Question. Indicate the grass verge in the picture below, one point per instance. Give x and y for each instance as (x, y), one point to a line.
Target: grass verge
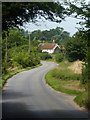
(58, 85)
(10, 74)
(66, 81)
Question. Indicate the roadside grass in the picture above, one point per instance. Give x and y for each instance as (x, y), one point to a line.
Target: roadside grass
(82, 100)
(65, 74)
(58, 85)
(11, 73)
(65, 80)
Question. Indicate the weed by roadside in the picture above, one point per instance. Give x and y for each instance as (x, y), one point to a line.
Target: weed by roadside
(65, 74)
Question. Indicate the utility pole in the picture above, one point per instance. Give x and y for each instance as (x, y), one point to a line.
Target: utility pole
(29, 44)
(37, 55)
(6, 48)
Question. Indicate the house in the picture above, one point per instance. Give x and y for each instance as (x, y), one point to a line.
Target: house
(49, 47)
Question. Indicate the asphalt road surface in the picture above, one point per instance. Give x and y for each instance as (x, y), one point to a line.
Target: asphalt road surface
(27, 95)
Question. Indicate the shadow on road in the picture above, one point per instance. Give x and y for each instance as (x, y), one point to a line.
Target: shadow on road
(11, 110)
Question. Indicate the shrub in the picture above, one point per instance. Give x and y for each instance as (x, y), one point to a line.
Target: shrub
(59, 57)
(84, 75)
(5, 66)
(82, 100)
(24, 60)
(45, 56)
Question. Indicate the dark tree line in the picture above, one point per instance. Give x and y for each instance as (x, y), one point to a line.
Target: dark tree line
(58, 34)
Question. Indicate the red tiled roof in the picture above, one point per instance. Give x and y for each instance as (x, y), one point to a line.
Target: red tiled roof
(47, 45)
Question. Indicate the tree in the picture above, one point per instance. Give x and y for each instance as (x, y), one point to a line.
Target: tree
(15, 38)
(76, 47)
(82, 12)
(61, 36)
(58, 34)
(16, 13)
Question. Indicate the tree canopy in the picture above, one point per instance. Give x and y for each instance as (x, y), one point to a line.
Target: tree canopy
(58, 34)
(16, 13)
(80, 12)
(76, 47)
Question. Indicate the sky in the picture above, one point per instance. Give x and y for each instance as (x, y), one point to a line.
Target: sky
(70, 25)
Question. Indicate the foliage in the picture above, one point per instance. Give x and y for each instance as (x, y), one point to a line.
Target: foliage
(58, 34)
(84, 79)
(58, 85)
(24, 60)
(5, 66)
(59, 57)
(81, 12)
(76, 47)
(17, 50)
(45, 56)
(82, 100)
(15, 38)
(86, 67)
(17, 13)
(53, 78)
(65, 74)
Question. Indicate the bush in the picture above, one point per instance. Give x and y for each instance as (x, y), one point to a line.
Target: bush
(45, 56)
(4, 67)
(82, 100)
(59, 57)
(84, 75)
(24, 60)
(17, 57)
(76, 47)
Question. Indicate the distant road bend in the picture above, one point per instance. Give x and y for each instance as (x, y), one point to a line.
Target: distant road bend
(28, 96)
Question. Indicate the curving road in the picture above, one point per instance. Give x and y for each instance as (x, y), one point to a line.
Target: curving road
(26, 95)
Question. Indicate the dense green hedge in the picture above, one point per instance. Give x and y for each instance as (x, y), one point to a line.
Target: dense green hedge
(20, 58)
(59, 57)
(45, 56)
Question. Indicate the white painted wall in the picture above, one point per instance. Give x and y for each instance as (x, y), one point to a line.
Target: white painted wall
(49, 51)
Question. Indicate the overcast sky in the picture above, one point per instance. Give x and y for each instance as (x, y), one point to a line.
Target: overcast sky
(70, 25)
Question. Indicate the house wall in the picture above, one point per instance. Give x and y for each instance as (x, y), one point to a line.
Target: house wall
(49, 51)
(56, 49)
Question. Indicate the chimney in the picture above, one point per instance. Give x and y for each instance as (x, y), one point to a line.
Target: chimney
(43, 41)
(53, 41)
